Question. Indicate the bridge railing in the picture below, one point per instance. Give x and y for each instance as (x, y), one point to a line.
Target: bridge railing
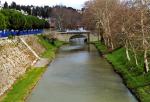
(19, 33)
(75, 32)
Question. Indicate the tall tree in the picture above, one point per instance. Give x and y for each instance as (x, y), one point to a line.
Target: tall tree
(6, 5)
(3, 22)
(13, 5)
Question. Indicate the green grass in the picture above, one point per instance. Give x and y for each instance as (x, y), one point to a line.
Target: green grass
(133, 75)
(101, 47)
(23, 86)
(50, 49)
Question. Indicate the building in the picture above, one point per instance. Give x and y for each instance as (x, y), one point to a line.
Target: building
(0, 5)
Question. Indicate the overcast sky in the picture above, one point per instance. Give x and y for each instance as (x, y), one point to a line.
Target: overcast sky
(71, 3)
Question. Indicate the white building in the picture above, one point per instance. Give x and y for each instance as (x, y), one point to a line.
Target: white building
(0, 5)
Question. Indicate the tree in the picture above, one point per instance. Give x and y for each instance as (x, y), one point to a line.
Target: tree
(17, 21)
(88, 20)
(13, 5)
(103, 16)
(124, 23)
(66, 18)
(29, 22)
(3, 22)
(6, 5)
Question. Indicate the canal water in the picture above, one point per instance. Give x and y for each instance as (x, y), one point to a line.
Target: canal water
(78, 74)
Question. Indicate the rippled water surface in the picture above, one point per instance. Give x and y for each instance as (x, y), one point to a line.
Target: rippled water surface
(80, 75)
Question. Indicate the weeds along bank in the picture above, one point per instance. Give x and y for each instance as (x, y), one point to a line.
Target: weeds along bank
(16, 58)
(132, 74)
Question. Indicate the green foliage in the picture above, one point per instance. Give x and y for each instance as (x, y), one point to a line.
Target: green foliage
(101, 47)
(50, 48)
(144, 93)
(23, 86)
(29, 21)
(12, 19)
(3, 21)
(17, 21)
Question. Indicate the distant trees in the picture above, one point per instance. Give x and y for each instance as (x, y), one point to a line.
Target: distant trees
(88, 17)
(17, 21)
(6, 5)
(43, 12)
(13, 5)
(12, 19)
(66, 17)
(3, 22)
(122, 23)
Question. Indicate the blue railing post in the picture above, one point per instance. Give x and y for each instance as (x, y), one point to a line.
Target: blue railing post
(5, 33)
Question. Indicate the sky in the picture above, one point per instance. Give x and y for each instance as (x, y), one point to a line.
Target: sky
(71, 3)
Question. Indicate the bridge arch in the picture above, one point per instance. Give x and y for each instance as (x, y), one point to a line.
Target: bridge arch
(80, 36)
(66, 36)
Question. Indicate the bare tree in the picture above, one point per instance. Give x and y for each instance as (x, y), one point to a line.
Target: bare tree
(124, 23)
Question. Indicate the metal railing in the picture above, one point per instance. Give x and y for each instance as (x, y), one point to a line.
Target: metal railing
(19, 33)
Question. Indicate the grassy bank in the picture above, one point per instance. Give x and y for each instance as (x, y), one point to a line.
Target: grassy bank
(23, 86)
(50, 48)
(100, 47)
(133, 76)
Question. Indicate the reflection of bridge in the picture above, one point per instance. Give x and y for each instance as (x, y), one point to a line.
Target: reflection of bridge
(65, 36)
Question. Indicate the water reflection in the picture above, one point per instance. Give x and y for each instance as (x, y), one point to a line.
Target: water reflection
(78, 41)
(77, 75)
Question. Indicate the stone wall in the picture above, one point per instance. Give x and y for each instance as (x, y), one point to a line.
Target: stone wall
(33, 41)
(15, 58)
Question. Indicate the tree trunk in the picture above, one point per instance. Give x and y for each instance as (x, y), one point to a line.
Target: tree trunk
(146, 65)
(112, 45)
(135, 57)
(102, 39)
(135, 54)
(98, 35)
(127, 53)
(108, 42)
(146, 62)
(109, 29)
(105, 41)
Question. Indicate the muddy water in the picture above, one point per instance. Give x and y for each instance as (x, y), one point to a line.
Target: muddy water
(80, 75)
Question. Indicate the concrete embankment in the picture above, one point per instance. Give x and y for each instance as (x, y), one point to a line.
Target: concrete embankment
(16, 58)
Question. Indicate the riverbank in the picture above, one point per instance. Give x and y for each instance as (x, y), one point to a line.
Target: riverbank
(132, 75)
(23, 86)
(78, 74)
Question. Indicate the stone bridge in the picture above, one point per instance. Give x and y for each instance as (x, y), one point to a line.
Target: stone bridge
(66, 36)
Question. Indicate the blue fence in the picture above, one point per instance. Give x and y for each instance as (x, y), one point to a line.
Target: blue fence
(19, 33)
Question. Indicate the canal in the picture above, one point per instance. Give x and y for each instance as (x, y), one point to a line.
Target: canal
(78, 74)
